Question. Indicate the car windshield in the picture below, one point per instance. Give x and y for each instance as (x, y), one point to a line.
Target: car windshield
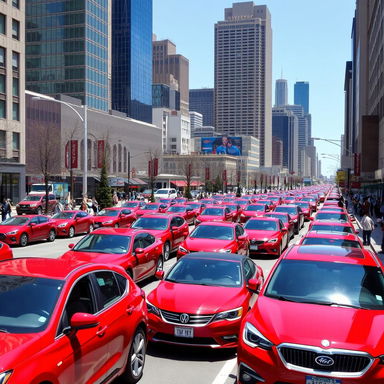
(17, 220)
(307, 199)
(63, 215)
(101, 243)
(330, 241)
(162, 192)
(332, 228)
(255, 208)
(216, 232)
(32, 198)
(130, 205)
(211, 272)
(156, 223)
(151, 207)
(328, 283)
(283, 218)
(303, 205)
(194, 206)
(28, 303)
(213, 212)
(332, 216)
(108, 212)
(232, 208)
(263, 225)
(176, 209)
(290, 210)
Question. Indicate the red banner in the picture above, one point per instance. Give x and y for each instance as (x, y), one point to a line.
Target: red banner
(155, 167)
(207, 173)
(100, 153)
(71, 154)
(356, 168)
(225, 176)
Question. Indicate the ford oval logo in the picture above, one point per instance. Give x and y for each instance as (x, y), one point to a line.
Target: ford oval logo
(184, 318)
(324, 361)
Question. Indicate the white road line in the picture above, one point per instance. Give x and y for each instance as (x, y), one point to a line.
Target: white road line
(222, 376)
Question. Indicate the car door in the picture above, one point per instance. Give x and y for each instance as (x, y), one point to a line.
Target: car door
(44, 227)
(249, 273)
(128, 218)
(242, 243)
(34, 229)
(140, 258)
(153, 252)
(177, 230)
(284, 235)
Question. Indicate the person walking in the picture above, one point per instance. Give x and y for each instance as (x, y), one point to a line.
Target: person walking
(366, 207)
(5, 209)
(9, 209)
(368, 226)
(95, 205)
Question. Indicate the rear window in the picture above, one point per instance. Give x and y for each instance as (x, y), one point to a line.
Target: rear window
(332, 228)
(332, 216)
(328, 241)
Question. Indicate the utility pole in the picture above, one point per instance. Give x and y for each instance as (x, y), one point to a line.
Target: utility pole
(129, 174)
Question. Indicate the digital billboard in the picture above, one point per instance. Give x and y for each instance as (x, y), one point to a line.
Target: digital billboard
(224, 145)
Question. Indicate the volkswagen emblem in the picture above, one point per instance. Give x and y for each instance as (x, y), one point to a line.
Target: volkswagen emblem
(324, 361)
(184, 318)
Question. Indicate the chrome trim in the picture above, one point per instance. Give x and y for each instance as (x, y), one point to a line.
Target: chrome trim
(191, 344)
(331, 352)
(192, 317)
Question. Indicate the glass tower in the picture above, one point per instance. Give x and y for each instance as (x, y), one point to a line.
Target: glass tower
(132, 58)
(202, 101)
(67, 49)
(302, 95)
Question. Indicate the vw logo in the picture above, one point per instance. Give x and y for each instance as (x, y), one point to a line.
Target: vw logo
(324, 361)
(184, 318)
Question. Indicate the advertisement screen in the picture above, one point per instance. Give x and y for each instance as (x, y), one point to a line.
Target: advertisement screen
(224, 145)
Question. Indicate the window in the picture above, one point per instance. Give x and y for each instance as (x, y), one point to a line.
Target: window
(15, 87)
(2, 140)
(2, 57)
(15, 111)
(109, 290)
(15, 3)
(3, 114)
(15, 29)
(43, 219)
(16, 141)
(2, 84)
(249, 269)
(2, 23)
(15, 60)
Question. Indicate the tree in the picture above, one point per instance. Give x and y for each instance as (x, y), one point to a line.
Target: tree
(104, 191)
(217, 186)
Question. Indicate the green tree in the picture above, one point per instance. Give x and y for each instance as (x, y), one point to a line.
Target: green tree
(104, 192)
(218, 185)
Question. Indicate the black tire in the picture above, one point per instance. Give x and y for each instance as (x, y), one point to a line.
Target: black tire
(23, 240)
(52, 235)
(160, 264)
(135, 364)
(39, 211)
(71, 232)
(166, 251)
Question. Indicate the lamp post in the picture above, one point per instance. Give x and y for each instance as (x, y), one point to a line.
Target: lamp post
(84, 120)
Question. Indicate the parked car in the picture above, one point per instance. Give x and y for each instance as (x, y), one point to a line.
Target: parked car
(197, 207)
(114, 217)
(5, 251)
(60, 319)
(253, 210)
(170, 193)
(152, 208)
(214, 213)
(347, 240)
(21, 230)
(306, 208)
(187, 213)
(287, 221)
(235, 210)
(71, 223)
(332, 227)
(296, 214)
(35, 204)
(203, 299)
(133, 205)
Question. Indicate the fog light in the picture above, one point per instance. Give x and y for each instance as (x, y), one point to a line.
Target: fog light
(248, 376)
(230, 337)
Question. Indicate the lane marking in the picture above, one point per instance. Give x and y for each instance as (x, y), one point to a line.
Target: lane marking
(225, 371)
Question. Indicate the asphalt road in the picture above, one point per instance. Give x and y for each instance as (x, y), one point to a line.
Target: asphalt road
(169, 364)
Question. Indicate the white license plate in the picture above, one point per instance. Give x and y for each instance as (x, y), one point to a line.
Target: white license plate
(184, 332)
(320, 380)
(253, 247)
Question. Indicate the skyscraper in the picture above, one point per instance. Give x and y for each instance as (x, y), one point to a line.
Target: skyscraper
(301, 95)
(281, 93)
(243, 75)
(132, 58)
(67, 50)
(202, 100)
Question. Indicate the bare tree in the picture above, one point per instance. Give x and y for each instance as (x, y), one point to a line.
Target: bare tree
(153, 168)
(190, 167)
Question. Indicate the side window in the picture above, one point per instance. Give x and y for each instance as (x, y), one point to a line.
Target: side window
(79, 215)
(180, 221)
(249, 269)
(239, 230)
(34, 220)
(121, 282)
(137, 243)
(281, 224)
(174, 222)
(108, 288)
(126, 211)
(51, 197)
(149, 240)
(43, 219)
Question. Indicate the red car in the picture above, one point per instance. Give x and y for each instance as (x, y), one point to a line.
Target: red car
(202, 300)
(71, 223)
(216, 237)
(5, 251)
(313, 202)
(152, 208)
(342, 240)
(313, 320)
(187, 213)
(66, 322)
(138, 252)
(214, 213)
(235, 209)
(333, 216)
(332, 227)
(253, 210)
(114, 217)
(306, 209)
(197, 208)
(287, 221)
(169, 228)
(270, 203)
(35, 204)
(20, 230)
(267, 235)
(134, 205)
(296, 214)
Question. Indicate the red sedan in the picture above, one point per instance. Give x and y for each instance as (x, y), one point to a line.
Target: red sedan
(306, 209)
(152, 208)
(216, 237)
(235, 209)
(134, 205)
(203, 299)
(71, 223)
(267, 235)
(287, 221)
(20, 230)
(215, 213)
(67, 323)
(342, 240)
(253, 210)
(197, 208)
(5, 251)
(169, 228)
(114, 217)
(187, 213)
(138, 252)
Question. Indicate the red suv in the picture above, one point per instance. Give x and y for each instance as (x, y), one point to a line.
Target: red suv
(316, 320)
(35, 204)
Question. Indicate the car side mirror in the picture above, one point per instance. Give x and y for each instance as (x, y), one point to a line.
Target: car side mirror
(81, 321)
(70, 246)
(159, 275)
(32, 224)
(254, 285)
(139, 251)
(357, 232)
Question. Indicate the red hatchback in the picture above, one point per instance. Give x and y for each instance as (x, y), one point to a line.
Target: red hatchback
(66, 322)
(216, 237)
(152, 208)
(314, 320)
(215, 213)
(133, 205)
(20, 230)
(71, 223)
(138, 252)
(202, 300)
(114, 217)
(253, 210)
(187, 213)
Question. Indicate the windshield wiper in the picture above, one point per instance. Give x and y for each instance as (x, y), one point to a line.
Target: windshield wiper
(282, 298)
(3, 331)
(333, 304)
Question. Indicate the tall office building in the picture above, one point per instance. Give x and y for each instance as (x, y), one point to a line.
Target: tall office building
(132, 58)
(196, 119)
(281, 93)
(68, 50)
(243, 75)
(301, 95)
(202, 100)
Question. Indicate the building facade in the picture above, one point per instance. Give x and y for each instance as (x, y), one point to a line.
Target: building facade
(281, 92)
(301, 95)
(203, 101)
(243, 75)
(132, 58)
(196, 120)
(12, 100)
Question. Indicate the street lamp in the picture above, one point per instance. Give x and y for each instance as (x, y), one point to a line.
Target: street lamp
(84, 119)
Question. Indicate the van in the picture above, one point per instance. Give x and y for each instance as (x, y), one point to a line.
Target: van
(165, 193)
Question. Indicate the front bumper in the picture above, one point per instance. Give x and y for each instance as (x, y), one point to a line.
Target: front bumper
(9, 239)
(264, 247)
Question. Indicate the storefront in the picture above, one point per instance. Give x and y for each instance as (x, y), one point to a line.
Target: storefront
(12, 182)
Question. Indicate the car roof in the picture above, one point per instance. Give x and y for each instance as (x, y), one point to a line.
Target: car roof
(219, 223)
(215, 255)
(31, 216)
(111, 231)
(167, 215)
(274, 219)
(331, 235)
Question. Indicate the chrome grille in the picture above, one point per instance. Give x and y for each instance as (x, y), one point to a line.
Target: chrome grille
(257, 242)
(196, 320)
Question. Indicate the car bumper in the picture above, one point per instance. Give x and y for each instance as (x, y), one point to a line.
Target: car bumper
(62, 231)
(268, 248)
(101, 224)
(9, 239)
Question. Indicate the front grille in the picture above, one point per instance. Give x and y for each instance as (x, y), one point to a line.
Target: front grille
(343, 362)
(196, 320)
(257, 242)
(183, 340)
(2, 236)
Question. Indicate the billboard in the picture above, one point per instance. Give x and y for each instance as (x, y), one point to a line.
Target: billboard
(225, 145)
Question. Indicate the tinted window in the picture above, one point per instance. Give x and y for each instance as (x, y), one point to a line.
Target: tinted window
(151, 207)
(176, 209)
(121, 282)
(100, 243)
(15, 221)
(43, 219)
(64, 215)
(239, 230)
(157, 223)
(213, 212)
(290, 210)
(332, 228)
(326, 241)
(255, 208)
(283, 218)
(249, 269)
(125, 211)
(32, 198)
(108, 212)
(212, 232)
(331, 216)
(263, 225)
(108, 289)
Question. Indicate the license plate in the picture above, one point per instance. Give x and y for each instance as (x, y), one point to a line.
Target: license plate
(320, 380)
(96, 225)
(184, 332)
(253, 247)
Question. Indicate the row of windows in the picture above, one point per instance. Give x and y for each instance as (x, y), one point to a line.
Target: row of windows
(48, 21)
(15, 110)
(55, 61)
(56, 74)
(15, 59)
(55, 47)
(46, 8)
(15, 140)
(42, 115)
(15, 86)
(15, 27)
(55, 34)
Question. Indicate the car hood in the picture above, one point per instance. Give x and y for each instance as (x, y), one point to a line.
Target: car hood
(201, 299)
(259, 234)
(94, 257)
(309, 324)
(9, 228)
(207, 245)
(210, 218)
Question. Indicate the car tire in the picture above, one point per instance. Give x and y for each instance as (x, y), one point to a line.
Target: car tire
(136, 358)
(71, 232)
(52, 235)
(39, 211)
(23, 240)
(90, 229)
(166, 251)
(160, 264)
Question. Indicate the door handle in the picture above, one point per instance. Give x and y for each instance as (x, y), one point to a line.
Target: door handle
(130, 310)
(101, 331)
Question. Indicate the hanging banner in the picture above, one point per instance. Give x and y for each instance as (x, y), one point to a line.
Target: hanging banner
(357, 162)
(71, 154)
(100, 153)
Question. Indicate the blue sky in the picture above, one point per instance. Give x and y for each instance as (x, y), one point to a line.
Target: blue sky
(311, 42)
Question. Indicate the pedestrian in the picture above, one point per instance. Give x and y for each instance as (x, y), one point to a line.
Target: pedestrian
(95, 205)
(366, 207)
(9, 209)
(368, 226)
(115, 198)
(84, 204)
(5, 208)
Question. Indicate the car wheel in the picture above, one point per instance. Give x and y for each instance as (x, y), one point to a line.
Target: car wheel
(23, 240)
(166, 251)
(39, 211)
(90, 228)
(136, 358)
(52, 235)
(71, 232)
(160, 264)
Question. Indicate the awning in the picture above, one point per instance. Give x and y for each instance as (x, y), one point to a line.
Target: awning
(121, 181)
(135, 181)
(183, 183)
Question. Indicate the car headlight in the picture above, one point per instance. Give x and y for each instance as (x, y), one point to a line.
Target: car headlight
(4, 376)
(12, 233)
(273, 241)
(62, 225)
(33, 205)
(151, 309)
(225, 250)
(230, 315)
(182, 249)
(108, 222)
(254, 338)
